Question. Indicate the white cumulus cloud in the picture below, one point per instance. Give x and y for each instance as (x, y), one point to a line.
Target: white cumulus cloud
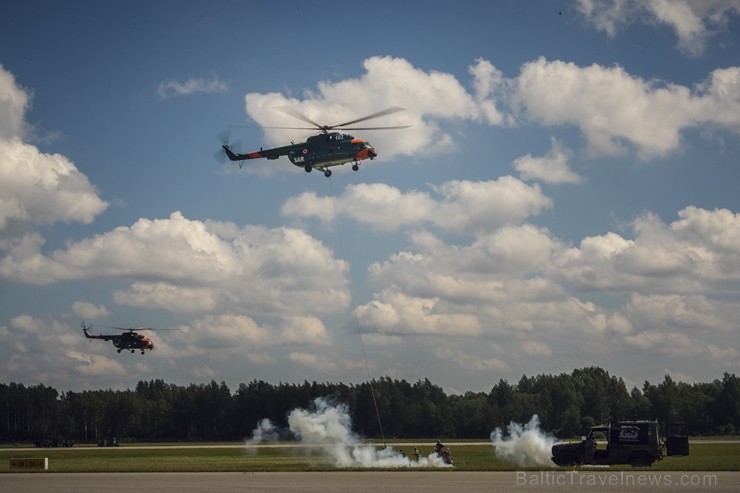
(170, 88)
(694, 22)
(456, 206)
(616, 111)
(36, 188)
(194, 266)
(554, 167)
(14, 102)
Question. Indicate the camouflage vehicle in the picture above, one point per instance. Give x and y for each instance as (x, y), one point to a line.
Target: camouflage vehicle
(627, 442)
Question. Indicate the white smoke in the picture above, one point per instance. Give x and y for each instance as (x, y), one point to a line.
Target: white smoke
(525, 445)
(330, 428)
(265, 432)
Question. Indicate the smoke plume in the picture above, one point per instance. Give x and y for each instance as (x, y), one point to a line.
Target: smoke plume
(329, 427)
(525, 445)
(265, 432)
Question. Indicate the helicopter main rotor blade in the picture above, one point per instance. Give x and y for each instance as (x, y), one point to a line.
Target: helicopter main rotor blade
(289, 110)
(394, 109)
(122, 328)
(376, 128)
(133, 329)
(292, 128)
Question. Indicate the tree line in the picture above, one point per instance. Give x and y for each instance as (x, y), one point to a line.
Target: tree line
(567, 404)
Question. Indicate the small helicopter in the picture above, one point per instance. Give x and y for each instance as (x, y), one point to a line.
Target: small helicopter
(328, 148)
(129, 339)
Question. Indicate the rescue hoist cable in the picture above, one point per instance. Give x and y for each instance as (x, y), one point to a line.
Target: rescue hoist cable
(354, 315)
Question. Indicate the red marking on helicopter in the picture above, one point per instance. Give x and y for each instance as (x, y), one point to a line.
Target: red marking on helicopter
(367, 153)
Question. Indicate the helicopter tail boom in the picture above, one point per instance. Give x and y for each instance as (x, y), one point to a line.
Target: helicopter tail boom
(88, 336)
(240, 157)
(267, 154)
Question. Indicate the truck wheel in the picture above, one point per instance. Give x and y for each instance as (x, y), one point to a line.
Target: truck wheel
(641, 460)
(565, 461)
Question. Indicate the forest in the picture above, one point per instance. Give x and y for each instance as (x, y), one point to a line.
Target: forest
(567, 404)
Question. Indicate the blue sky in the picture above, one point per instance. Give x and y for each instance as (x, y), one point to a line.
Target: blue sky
(566, 195)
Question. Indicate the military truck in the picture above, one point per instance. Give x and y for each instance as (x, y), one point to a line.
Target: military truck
(627, 442)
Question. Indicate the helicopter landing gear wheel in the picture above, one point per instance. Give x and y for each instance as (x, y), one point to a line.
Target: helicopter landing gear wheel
(119, 350)
(355, 167)
(327, 173)
(308, 168)
(132, 351)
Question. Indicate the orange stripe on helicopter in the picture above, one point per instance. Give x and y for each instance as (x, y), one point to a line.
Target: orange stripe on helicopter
(254, 155)
(362, 155)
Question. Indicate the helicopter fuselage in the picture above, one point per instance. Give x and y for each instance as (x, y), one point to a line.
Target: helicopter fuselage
(133, 341)
(128, 340)
(317, 152)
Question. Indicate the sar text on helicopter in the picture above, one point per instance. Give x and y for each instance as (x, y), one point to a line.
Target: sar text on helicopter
(329, 148)
(129, 339)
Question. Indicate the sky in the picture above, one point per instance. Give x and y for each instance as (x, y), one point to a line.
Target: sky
(565, 195)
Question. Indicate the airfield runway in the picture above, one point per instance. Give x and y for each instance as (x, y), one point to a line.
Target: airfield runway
(375, 482)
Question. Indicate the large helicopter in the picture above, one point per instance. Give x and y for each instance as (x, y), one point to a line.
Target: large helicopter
(129, 339)
(328, 148)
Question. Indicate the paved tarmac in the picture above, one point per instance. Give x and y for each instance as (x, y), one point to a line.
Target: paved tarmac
(376, 482)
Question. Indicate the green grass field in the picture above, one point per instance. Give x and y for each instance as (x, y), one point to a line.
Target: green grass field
(467, 457)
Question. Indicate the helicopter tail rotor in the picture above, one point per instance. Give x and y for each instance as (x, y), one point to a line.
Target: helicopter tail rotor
(226, 146)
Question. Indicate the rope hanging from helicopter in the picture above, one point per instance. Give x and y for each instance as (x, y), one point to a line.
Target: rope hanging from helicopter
(354, 315)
